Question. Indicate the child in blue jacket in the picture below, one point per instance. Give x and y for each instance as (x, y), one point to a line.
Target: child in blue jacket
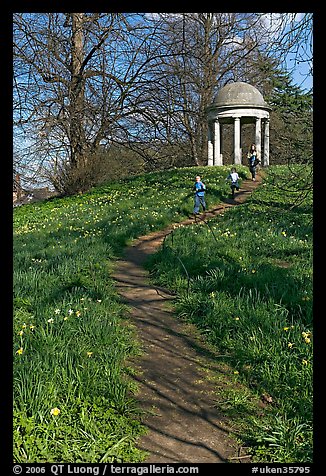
(199, 188)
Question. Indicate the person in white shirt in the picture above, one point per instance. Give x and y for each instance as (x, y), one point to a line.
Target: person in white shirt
(233, 177)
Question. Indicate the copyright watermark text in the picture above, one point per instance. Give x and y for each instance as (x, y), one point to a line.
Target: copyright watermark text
(104, 469)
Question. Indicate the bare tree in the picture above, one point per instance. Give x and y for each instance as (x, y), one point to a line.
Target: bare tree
(80, 79)
(289, 37)
(206, 51)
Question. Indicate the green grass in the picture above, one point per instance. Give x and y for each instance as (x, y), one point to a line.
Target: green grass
(71, 335)
(245, 279)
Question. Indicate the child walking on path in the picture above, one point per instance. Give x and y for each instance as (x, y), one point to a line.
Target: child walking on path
(199, 188)
(233, 177)
(253, 161)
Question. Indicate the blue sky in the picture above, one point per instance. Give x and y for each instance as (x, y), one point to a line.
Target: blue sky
(278, 26)
(302, 78)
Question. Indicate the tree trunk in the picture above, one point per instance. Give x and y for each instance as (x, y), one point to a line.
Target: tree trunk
(77, 135)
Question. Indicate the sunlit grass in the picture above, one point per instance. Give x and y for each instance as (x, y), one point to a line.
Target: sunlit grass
(71, 341)
(247, 286)
(246, 281)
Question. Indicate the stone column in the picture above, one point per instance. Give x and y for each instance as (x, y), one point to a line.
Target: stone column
(221, 142)
(237, 150)
(210, 146)
(265, 161)
(258, 137)
(217, 143)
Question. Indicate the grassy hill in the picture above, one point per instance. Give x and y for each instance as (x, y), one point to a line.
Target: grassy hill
(73, 401)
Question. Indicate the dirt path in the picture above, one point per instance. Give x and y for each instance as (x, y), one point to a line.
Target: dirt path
(175, 390)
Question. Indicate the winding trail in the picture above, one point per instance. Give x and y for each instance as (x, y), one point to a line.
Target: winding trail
(176, 389)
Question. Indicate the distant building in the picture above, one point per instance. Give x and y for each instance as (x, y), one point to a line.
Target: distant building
(30, 196)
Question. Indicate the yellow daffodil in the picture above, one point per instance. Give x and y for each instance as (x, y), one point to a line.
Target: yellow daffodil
(55, 411)
(89, 354)
(20, 351)
(304, 362)
(306, 334)
(290, 344)
(286, 328)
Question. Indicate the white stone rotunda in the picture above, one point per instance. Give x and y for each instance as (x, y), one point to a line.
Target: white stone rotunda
(238, 103)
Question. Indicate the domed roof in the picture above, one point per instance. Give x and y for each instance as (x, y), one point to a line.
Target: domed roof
(239, 94)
